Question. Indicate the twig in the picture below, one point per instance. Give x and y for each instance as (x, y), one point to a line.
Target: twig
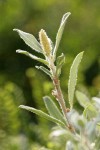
(57, 92)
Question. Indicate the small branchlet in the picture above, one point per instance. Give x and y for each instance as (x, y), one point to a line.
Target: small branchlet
(45, 47)
(67, 118)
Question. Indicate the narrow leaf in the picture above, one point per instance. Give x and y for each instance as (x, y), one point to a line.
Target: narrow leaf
(52, 108)
(96, 101)
(30, 40)
(60, 62)
(60, 32)
(32, 56)
(90, 128)
(42, 114)
(44, 70)
(90, 112)
(82, 99)
(69, 145)
(73, 78)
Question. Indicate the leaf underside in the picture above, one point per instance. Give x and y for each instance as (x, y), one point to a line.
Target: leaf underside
(32, 56)
(30, 40)
(60, 32)
(82, 99)
(73, 78)
(45, 70)
(52, 108)
(42, 114)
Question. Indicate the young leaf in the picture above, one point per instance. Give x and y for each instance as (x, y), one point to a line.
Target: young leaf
(30, 40)
(96, 101)
(60, 32)
(90, 112)
(60, 62)
(69, 145)
(52, 108)
(32, 56)
(90, 128)
(42, 114)
(82, 99)
(44, 70)
(73, 78)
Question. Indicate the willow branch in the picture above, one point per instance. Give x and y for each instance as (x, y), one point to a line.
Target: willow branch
(57, 92)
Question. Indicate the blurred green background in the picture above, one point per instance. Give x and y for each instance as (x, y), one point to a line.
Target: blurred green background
(21, 83)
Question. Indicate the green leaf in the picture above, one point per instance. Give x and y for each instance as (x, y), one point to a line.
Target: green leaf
(60, 62)
(82, 99)
(97, 143)
(69, 145)
(73, 78)
(30, 40)
(60, 32)
(42, 114)
(52, 109)
(44, 70)
(96, 102)
(32, 56)
(90, 128)
(90, 112)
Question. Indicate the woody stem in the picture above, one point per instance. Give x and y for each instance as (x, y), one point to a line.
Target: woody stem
(59, 96)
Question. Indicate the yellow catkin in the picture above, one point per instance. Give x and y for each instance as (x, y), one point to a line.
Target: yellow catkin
(45, 42)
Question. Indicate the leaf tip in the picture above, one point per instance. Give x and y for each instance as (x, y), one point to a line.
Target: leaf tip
(37, 67)
(21, 51)
(15, 29)
(45, 98)
(21, 106)
(82, 52)
(65, 16)
(18, 51)
(68, 13)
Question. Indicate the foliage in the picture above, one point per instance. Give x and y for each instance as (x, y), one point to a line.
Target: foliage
(82, 33)
(9, 116)
(82, 130)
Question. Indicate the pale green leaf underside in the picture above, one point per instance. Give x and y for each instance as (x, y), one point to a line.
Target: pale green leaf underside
(73, 78)
(90, 128)
(45, 70)
(52, 108)
(30, 40)
(60, 62)
(60, 32)
(90, 112)
(42, 114)
(82, 99)
(32, 56)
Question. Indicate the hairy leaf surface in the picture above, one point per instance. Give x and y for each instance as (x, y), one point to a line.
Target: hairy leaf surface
(30, 40)
(42, 114)
(73, 78)
(60, 32)
(52, 108)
